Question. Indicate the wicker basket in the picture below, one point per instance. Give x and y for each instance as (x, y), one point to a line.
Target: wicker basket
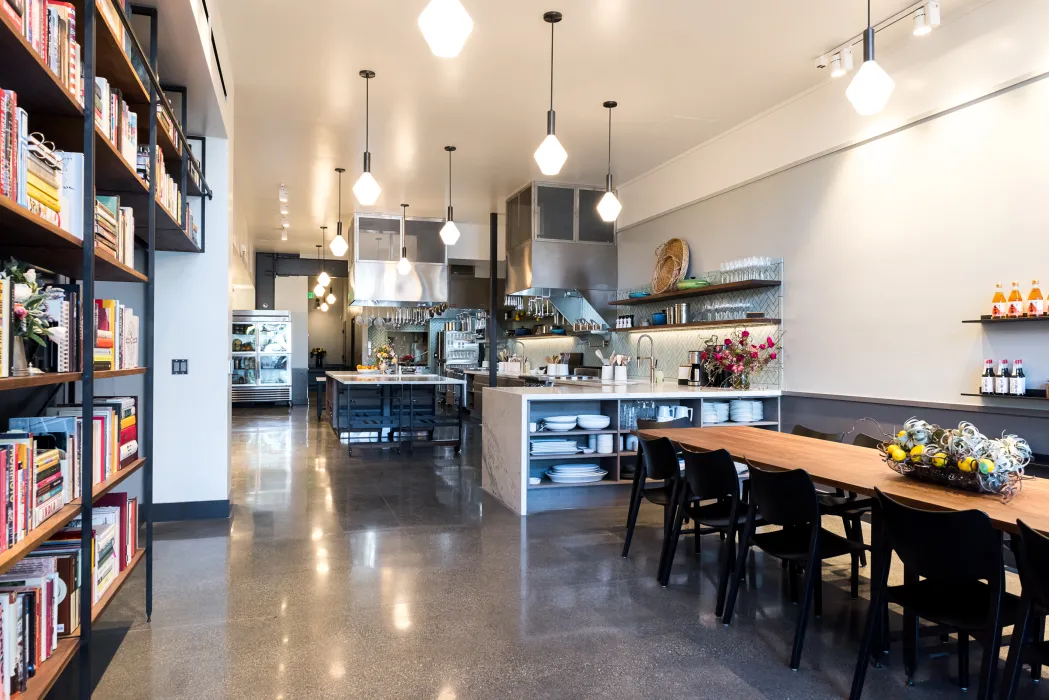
(671, 265)
(951, 477)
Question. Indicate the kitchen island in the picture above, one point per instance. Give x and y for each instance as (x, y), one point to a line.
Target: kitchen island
(507, 449)
(396, 408)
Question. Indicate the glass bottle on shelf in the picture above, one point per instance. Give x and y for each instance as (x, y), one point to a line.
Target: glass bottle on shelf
(1016, 302)
(987, 379)
(1001, 382)
(1018, 380)
(998, 304)
(1035, 302)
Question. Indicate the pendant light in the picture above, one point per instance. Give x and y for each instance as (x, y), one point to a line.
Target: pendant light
(551, 155)
(445, 25)
(339, 246)
(367, 189)
(330, 298)
(450, 232)
(404, 266)
(319, 289)
(609, 207)
(870, 90)
(323, 279)
(324, 306)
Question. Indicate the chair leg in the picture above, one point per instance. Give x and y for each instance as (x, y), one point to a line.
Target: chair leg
(741, 566)
(1014, 663)
(1039, 635)
(854, 578)
(792, 582)
(666, 560)
(910, 644)
(992, 646)
(963, 660)
(857, 529)
(812, 574)
(879, 579)
(635, 506)
(729, 547)
(817, 606)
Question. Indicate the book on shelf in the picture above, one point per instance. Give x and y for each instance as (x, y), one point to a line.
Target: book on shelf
(30, 170)
(125, 413)
(49, 27)
(62, 556)
(105, 529)
(35, 478)
(30, 597)
(116, 120)
(71, 198)
(115, 229)
(127, 524)
(114, 433)
(62, 434)
(116, 336)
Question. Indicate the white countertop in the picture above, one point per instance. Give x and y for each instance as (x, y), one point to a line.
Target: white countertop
(358, 378)
(644, 390)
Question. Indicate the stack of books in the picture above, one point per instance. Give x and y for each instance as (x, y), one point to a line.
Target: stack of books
(164, 122)
(49, 26)
(126, 511)
(32, 485)
(114, 433)
(105, 536)
(30, 596)
(61, 433)
(116, 336)
(167, 191)
(59, 555)
(31, 173)
(117, 121)
(115, 229)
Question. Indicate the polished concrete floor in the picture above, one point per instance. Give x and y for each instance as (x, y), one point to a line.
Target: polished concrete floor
(392, 575)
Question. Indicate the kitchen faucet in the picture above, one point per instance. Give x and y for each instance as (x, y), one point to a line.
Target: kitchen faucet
(652, 362)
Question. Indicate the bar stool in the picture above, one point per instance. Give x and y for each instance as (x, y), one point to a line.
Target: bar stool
(1027, 640)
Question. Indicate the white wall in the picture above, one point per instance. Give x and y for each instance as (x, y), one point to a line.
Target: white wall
(326, 328)
(192, 429)
(290, 295)
(888, 246)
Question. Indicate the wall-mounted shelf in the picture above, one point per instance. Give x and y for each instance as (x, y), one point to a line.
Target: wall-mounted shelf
(1029, 396)
(701, 324)
(709, 290)
(1008, 321)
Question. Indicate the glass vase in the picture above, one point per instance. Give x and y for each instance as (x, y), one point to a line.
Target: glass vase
(19, 363)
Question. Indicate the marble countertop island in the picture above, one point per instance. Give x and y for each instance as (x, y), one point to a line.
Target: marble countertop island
(359, 378)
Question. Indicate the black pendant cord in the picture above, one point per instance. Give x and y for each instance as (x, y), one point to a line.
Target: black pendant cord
(367, 112)
(610, 141)
(551, 66)
(338, 214)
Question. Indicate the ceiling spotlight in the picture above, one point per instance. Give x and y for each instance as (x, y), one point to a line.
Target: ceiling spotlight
(324, 306)
(284, 224)
(283, 196)
(921, 27)
(284, 234)
(551, 155)
(450, 232)
(445, 25)
(872, 87)
(836, 69)
(404, 266)
(846, 59)
(609, 207)
(932, 13)
(367, 189)
(284, 209)
(330, 298)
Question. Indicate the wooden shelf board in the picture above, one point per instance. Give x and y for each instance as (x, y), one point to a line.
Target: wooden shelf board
(100, 607)
(22, 70)
(1008, 321)
(544, 335)
(112, 373)
(24, 229)
(699, 292)
(49, 672)
(101, 489)
(114, 65)
(701, 324)
(1028, 397)
(32, 540)
(113, 173)
(32, 380)
(108, 269)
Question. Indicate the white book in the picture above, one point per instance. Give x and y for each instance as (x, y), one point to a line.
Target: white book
(71, 197)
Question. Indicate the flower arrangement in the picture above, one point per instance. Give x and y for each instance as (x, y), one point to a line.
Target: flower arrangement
(29, 312)
(384, 355)
(739, 357)
(962, 457)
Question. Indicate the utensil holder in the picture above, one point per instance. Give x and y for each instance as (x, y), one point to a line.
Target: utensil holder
(607, 373)
(619, 373)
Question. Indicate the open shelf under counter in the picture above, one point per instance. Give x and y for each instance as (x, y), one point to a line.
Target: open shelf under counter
(569, 433)
(570, 455)
(706, 291)
(753, 424)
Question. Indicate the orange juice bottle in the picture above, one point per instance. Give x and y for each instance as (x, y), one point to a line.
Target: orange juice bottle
(1015, 309)
(998, 305)
(1035, 302)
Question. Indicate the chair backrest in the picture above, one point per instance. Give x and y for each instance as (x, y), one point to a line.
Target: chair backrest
(664, 424)
(711, 475)
(943, 545)
(784, 498)
(810, 433)
(864, 440)
(659, 458)
(1034, 562)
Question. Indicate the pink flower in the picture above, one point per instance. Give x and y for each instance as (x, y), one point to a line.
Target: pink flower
(703, 355)
(772, 356)
(717, 356)
(19, 311)
(745, 334)
(763, 346)
(770, 343)
(728, 341)
(754, 355)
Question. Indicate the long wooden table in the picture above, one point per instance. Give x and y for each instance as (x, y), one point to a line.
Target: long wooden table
(861, 470)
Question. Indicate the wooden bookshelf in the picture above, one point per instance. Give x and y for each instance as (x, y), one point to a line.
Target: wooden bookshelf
(48, 673)
(113, 373)
(34, 380)
(22, 70)
(708, 290)
(102, 488)
(100, 607)
(113, 173)
(168, 149)
(113, 64)
(32, 540)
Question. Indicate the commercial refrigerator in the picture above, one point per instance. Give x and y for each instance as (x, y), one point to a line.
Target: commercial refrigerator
(261, 347)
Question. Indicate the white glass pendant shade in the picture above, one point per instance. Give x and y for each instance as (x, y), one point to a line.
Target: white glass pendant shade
(551, 155)
(339, 246)
(330, 298)
(324, 306)
(323, 278)
(870, 90)
(450, 233)
(318, 290)
(404, 266)
(609, 207)
(367, 190)
(445, 25)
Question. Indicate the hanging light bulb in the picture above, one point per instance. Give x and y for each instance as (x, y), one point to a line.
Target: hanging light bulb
(324, 306)
(367, 190)
(285, 224)
(872, 87)
(323, 279)
(445, 25)
(551, 155)
(330, 298)
(609, 207)
(449, 232)
(339, 246)
(318, 290)
(404, 266)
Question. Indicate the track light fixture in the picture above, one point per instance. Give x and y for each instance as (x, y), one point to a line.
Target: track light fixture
(836, 69)
(921, 27)
(404, 266)
(445, 25)
(450, 232)
(284, 209)
(283, 194)
(367, 189)
(872, 87)
(339, 246)
(926, 18)
(284, 234)
(285, 224)
(609, 207)
(551, 155)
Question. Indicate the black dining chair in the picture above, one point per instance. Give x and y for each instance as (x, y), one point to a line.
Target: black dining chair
(788, 499)
(710, 496)
(850, 507)
(658, 461)
(864, 440)
(1027, 642)
(643, 424)
(954, 576)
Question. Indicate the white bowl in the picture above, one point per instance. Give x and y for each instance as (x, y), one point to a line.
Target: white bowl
(561, 419)
(560, 427)
(534, 480)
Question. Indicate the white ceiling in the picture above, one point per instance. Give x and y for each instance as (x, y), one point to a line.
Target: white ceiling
(682, 71)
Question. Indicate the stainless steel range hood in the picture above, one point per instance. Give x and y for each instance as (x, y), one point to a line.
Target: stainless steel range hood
(376, 249)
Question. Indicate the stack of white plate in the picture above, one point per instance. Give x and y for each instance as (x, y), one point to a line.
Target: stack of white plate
(560, 423)
(605, 444)
(595, 422)
(746, 411)
(715, 412)
(554, 447)
(575, 473)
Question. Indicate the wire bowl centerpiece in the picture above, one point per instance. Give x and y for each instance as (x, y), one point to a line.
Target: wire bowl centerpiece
(961, 458)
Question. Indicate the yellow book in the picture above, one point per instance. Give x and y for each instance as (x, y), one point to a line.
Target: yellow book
(127, 422)
(42, 185)
(42, 197)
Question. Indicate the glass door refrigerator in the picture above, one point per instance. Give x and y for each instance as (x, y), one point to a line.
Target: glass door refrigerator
(261, 349)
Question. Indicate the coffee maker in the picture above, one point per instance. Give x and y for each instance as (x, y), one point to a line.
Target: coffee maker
(695, 372)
